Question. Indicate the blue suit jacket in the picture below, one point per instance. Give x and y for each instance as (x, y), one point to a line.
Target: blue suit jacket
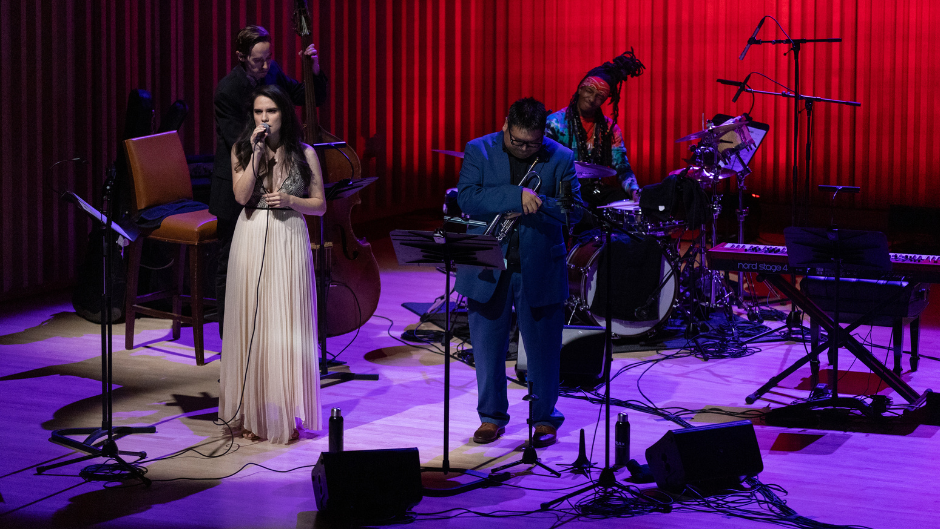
(485, 189)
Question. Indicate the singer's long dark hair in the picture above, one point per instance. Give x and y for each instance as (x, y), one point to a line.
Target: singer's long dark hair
(291, 134)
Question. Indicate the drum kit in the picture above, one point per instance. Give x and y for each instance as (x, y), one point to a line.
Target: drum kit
(653, 277)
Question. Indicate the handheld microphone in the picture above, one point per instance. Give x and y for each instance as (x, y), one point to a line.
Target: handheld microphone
(752, 39)
(267, 130)
(741, 89)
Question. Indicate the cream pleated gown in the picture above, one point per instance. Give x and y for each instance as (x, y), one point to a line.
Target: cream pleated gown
(270, 303)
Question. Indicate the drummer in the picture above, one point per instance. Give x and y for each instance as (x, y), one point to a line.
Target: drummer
(594, 137)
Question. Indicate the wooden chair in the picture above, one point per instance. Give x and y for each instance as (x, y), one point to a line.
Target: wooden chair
(160, 175)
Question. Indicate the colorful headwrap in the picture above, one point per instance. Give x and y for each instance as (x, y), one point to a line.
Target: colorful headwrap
(600, 85)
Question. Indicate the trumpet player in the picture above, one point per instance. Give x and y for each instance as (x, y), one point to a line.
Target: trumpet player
(535, 280)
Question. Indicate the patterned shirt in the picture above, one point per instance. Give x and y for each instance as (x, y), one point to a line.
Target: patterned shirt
(557, 129)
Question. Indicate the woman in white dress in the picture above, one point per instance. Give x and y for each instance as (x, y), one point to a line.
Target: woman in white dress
(270, 373)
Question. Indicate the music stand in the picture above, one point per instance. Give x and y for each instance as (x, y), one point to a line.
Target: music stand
(324, 274)
(90, 445)
(837, 250)
(427, 248)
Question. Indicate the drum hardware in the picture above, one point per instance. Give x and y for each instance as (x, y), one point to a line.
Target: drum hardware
(708, 176)
(706, 169)
(625, 214)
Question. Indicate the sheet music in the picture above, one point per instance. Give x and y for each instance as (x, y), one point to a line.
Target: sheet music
(100, 217)
(745, 143)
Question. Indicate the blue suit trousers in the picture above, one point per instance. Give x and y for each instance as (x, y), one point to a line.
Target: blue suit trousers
(541, 329)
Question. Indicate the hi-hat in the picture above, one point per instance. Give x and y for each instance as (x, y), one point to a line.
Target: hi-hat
(458, 154)
(718, 131)
(590, 170)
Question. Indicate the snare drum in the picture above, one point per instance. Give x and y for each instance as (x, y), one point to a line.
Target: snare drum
(661, 230)
(640, 307)
(624, 214)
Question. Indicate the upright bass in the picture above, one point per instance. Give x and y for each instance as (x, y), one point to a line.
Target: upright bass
(348, 282)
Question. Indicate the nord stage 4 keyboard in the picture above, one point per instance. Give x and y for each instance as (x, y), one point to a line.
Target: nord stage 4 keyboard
(763, 259)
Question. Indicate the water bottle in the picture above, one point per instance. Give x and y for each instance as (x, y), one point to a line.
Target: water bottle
(621, 440)
(336, 430)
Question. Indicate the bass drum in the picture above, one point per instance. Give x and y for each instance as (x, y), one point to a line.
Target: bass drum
(636, 318)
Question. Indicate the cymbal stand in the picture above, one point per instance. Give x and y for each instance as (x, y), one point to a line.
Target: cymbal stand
(741, 214)
(691, 261)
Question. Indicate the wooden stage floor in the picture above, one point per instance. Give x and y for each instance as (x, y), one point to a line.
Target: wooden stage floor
(882, 475)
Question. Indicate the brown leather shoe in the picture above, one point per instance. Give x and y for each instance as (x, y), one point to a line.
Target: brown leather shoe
(487, 433)
(544, 435)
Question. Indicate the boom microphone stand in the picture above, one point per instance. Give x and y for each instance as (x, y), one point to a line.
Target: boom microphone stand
(795, 46)
(606, 480)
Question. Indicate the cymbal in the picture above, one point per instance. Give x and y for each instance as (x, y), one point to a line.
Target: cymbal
(590, 170)
(718, 131)
(622, 205)
(707, 175)
(458, 154)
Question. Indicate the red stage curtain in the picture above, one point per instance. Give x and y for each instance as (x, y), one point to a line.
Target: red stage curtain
(411, 76)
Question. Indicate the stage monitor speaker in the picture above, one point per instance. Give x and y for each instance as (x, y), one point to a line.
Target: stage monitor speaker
(582, 355)
(708, 458)
(367, 485)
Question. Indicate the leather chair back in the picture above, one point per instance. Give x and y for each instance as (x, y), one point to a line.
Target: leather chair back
(158, 169)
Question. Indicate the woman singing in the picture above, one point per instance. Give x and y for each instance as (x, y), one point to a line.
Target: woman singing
(270, 374)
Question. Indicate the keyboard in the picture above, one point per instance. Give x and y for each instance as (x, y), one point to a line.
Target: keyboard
(765, 259)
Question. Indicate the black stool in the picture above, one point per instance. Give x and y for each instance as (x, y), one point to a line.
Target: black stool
(858, 297)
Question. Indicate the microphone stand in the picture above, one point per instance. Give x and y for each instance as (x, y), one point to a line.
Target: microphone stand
(606, 480)
(795, 46)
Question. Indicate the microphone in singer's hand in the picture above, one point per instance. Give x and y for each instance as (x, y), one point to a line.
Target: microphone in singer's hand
(262, 134)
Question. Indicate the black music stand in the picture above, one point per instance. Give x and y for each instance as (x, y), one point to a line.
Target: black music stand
(92, 445)
(837, 250)
(834, 251)
(324, 275)
(429, 248)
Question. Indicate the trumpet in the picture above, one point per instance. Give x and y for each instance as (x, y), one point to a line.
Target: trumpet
(500, 226)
